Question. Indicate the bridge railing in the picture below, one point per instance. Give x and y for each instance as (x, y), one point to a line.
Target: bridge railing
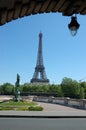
(78, 103)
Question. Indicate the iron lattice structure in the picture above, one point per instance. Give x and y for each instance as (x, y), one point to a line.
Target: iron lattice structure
(39, 75)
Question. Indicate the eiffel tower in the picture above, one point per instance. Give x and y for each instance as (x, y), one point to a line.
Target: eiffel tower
(39, 75)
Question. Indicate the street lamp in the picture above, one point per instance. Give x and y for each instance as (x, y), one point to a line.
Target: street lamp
(73, 25)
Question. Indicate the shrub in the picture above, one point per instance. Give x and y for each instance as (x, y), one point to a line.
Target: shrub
(36, 108)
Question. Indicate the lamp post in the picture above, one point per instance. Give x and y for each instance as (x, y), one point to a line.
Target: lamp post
(73, 25)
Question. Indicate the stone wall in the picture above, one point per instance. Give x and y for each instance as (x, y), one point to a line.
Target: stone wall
(78, 103)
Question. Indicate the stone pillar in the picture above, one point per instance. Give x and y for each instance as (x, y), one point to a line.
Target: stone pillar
(66, 99)
(83, 103)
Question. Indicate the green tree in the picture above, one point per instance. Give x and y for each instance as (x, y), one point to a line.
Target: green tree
(59, 91)
(83, 85)
(82, 94)
(25, 88)
(56, 89)
(7, 89)
(70, 88)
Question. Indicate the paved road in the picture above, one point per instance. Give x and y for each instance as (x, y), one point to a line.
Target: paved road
(43, 124)
(56, 107)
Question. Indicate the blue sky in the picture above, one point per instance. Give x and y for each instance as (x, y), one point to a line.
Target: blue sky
(64, 55)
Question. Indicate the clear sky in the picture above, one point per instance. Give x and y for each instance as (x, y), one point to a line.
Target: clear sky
(64, 55)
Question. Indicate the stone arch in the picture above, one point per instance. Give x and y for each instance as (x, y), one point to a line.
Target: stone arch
(14, 9)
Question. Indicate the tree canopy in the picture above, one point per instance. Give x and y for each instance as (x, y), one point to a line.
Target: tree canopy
(68, 88)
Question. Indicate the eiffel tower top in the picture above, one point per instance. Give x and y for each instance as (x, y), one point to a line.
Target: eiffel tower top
(40, 34)
(40, 74)
(40, 54)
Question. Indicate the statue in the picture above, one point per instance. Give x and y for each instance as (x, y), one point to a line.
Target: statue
(17, 92)
(18, 80)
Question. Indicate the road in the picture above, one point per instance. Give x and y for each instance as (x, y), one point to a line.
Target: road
(43, 123)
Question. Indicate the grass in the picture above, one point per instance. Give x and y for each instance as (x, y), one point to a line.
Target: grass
(20, 103)
(6, 108)
(20, 106)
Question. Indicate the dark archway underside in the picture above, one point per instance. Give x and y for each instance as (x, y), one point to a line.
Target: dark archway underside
(14, 9)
